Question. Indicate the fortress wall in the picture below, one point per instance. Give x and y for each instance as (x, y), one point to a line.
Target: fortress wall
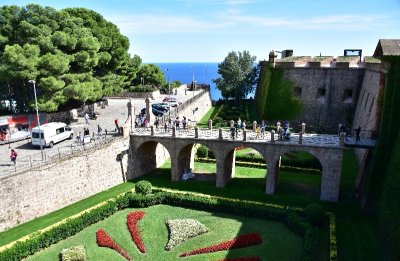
(41, 190)
(335, 106)
(197, 108)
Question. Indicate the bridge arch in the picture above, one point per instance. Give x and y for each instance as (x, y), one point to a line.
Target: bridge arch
(147, 156)
(331, 164)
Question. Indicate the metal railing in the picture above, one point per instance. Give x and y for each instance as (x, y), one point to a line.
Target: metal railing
(24, 163)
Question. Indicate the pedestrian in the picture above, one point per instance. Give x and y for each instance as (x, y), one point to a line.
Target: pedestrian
(258, 132)
(87, 118)
(184, 122)
(233, 131)
(244, 125)
(358, 130)
(165, 127)
(99, 130)
(116, 124)
(262, 129)
(13, 156)
(156, 123)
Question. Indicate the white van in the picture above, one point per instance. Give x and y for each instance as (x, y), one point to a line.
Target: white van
(51, 133)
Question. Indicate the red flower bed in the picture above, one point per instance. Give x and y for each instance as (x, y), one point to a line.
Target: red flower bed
(251, 258)
(238, 242)
(133, 220)
(104, 240)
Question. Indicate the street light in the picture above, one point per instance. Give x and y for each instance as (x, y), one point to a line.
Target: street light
(37, 115)
(206, 72)
(169, 94)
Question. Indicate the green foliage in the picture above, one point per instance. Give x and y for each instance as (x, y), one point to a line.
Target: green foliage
(238, 75)
(151, 74)
(316, 214)
(75, 253)
(277, 213)
(143, 187)
(202, 151)
(277, 95)
(73, 54)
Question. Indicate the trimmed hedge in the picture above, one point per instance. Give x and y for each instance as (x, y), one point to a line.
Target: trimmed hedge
(143, 187)
(293, 218)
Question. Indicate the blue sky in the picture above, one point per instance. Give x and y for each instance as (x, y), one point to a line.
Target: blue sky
(206, 30)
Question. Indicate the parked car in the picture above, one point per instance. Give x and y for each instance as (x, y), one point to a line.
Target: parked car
(156, 112)
(159, 107)
(171, 99)
(51, 133)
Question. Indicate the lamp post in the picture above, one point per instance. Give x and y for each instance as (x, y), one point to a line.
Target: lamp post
(206, 72)
(169, 94)
(37, 115)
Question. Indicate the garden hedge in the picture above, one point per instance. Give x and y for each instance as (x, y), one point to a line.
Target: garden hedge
(293, 218)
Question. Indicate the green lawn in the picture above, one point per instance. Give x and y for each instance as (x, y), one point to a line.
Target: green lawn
(276, 237)
(356, 232)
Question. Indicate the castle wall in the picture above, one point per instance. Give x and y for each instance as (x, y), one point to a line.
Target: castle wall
(56, 184)
(329, 94)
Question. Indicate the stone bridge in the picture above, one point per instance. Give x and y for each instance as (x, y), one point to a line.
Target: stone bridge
(146, 153)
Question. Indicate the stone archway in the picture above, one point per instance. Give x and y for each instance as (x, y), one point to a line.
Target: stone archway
(148, 156)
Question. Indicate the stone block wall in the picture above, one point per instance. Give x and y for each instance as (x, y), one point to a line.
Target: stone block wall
(195, 108)
(44, 189)
(329, 94)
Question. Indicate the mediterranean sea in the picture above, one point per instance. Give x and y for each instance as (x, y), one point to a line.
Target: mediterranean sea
(186, 72)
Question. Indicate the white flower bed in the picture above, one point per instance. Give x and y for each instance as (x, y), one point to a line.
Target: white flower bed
(75, 253)
(181, 230)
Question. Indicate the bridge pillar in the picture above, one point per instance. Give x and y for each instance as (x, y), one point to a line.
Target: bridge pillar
(210, 125)
(303, 127)
(225, 168)
(272, 136)
(152, 130)
(196, 132)
(278, 126)
(272, 177)
(254, 126)
(331, 171)
(220, 134)
(232, 123)
(244, 135)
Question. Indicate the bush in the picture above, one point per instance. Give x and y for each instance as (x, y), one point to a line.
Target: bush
(218, 122)
(202, 151)
(315, 214)
(143, 187)
(75, 253)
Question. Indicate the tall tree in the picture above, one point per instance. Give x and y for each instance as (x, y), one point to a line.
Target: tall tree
(238, 75)
(152, 75)
(73, 54)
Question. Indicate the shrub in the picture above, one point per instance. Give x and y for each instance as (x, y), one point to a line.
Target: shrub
(143, 187)
(315, 214)
(75, 253)
(202, 151)
(218, 122)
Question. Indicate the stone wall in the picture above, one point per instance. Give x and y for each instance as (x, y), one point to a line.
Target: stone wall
(329, 94)
(196, 107)
(41, 190)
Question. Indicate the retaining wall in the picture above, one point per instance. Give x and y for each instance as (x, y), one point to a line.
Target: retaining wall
(46, 188)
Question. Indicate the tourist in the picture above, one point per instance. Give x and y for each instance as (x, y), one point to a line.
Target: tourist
(358, 130)
(258, 132)
(262, 128)
(116, 124)
(233, 131)
(177, 123)
(165, 127)
(156, 123)
(243, 125)
(87, 118)
(184, 122)
(13, 156)
(99, 130)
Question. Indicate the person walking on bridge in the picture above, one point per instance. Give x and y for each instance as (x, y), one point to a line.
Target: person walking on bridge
(13, 156)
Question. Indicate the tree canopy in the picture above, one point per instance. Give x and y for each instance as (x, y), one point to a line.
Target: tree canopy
(73, 54)
(238, 75)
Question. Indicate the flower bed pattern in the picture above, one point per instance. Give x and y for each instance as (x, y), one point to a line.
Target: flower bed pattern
(133, 220)
(104, 240)
(238, 242)
(180, 230)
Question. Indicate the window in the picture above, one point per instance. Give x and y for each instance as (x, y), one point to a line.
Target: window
(35, 135)
(297, 91)
(321, 93)
(348, 96)
(60, 130)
